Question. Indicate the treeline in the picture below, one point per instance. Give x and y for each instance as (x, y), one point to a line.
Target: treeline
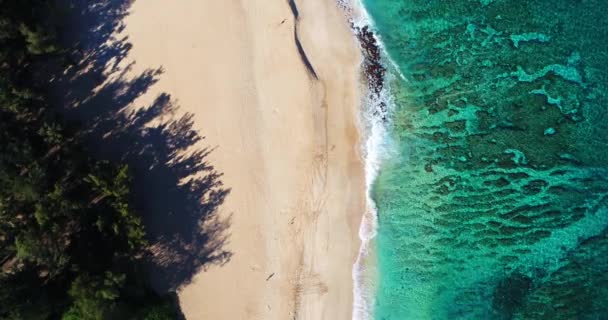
(70, 243)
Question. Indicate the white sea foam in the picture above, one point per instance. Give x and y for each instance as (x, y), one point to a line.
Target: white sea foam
(374, 133)
(374, 110)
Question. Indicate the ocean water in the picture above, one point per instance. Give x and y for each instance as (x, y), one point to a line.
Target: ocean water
(492, 199)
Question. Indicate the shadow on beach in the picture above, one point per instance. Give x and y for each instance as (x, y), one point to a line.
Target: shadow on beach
(175, 187)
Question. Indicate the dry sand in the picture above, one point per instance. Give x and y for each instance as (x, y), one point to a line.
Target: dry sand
(287, 143)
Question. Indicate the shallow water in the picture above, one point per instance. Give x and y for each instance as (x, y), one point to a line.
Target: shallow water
(493, 200)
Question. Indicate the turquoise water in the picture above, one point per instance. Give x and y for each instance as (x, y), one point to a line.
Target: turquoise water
(492, 203)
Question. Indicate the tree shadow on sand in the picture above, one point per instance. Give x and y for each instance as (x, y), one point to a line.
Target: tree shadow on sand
(175, 187)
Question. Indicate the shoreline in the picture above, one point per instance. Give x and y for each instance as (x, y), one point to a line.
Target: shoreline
(374, 112)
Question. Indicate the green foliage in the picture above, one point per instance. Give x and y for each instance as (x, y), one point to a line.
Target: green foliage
(70, 242)
(38, 41)
(113, 188)
(27, 247)
(94, 297)
(51, 133)
(28, 27)
(164, 311)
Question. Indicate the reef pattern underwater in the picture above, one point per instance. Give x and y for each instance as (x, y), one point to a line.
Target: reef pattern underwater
(493, 194)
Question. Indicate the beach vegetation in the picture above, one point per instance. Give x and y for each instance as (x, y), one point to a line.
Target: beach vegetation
(71, 244)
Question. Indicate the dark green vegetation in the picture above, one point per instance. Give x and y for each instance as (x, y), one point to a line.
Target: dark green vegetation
(494, 204)
(71, 244)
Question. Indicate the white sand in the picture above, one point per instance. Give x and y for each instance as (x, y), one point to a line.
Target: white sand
(286, 143)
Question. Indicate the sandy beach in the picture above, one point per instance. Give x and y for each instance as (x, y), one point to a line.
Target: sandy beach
(282, 119)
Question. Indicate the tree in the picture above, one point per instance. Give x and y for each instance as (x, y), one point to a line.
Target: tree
(94, 298)
(70, 243)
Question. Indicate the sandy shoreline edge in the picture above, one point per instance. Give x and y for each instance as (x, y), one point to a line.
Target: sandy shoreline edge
(286, 142)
